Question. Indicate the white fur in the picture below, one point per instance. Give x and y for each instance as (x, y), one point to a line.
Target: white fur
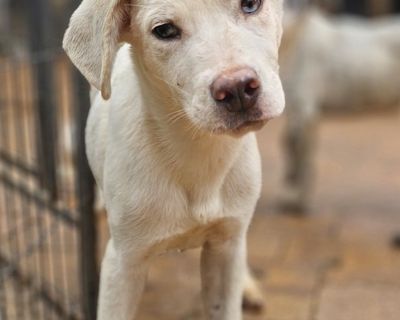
(332, 64)
(174, 170)
(343, 63)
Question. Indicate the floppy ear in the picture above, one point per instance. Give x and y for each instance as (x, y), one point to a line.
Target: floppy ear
(92, 39)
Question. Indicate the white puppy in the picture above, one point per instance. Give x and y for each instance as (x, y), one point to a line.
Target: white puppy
(173, 147)
(332, 65)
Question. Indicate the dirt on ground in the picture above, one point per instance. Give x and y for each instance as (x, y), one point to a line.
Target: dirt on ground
(335, 263)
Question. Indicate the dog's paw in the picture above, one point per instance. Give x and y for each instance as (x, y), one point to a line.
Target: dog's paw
(253, 298)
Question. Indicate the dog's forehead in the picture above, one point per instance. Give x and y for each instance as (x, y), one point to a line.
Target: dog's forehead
(183, 9)
(151, 12)
(173, 5)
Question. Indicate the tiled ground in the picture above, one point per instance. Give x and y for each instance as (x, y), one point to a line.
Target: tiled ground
(334, 264)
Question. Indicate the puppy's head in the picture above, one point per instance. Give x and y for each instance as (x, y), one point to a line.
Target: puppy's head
(217, 58)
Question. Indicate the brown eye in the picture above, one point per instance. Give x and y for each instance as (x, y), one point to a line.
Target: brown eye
(250, 6)
(167, 31)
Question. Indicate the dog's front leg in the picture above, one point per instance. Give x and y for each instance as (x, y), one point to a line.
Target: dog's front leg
(223, 268)
(121, 285)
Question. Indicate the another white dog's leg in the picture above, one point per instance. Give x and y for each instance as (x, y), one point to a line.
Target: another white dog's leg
(300, 144)
(121, 285)
(223, 268)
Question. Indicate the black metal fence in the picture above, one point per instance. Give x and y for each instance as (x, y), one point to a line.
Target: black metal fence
(48, 266)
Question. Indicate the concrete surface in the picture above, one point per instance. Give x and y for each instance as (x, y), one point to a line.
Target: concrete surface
(336, 263)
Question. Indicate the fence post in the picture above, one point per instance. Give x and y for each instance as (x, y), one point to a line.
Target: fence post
(396, 5)
(41, 41)
(86, 196)
(355, 6)
(5, 28)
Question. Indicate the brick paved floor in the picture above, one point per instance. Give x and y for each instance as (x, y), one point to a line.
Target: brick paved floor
(334, 264)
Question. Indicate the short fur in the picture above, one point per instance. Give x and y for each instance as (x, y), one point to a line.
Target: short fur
(177, 171)
(335, 65)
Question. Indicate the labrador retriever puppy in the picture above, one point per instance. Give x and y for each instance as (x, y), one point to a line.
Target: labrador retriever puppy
(332, 65)
(171, 140)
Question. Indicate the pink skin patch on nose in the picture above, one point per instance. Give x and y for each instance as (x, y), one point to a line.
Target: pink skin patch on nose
(221, 95)
(254, 84)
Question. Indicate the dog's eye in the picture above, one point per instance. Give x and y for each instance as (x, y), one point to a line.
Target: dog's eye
(250, 6)
(167, 31)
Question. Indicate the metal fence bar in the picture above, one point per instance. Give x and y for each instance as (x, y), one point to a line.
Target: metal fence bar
(396, 5)
(25, 210)
(7, 196)
(15, 134)
(41, 224)
(65, 160)
(39, 292)
(38, 262)
(355, 6)
(39, 199)
(40, 27)
(85, 188)
(3, 297)
(20, 165)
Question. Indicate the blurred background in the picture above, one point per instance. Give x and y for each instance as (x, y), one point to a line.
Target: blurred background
(325, 240)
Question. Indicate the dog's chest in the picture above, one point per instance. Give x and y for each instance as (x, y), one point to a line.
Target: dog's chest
(217, 231)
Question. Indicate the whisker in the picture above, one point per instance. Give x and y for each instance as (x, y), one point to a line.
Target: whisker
(172, 87)
(176, 116)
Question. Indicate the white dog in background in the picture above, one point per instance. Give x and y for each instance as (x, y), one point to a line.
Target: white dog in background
(171, 141)
(334, 64)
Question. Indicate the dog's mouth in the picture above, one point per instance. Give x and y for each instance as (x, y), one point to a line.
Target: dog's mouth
(240, 128)
(249, 121)
(238, 124)
(249, 126)
(252, 124)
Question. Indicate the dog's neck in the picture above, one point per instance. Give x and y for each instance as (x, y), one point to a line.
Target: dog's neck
(198, 160)
(196, 157)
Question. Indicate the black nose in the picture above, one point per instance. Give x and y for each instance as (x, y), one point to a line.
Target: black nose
(237, 91)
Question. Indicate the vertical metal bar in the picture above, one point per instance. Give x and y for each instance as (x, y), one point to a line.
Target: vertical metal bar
(25, 208)
(85, 194)
(396, 6)
(3, 294)
(41, 40)
(15, 122)
(32, 211)
(355, 6)
(10, 199)
(38, 231)
(40, 29)
(86, 198)
(8, 296)
(66, 162)
(4, 26)
(29, 210)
